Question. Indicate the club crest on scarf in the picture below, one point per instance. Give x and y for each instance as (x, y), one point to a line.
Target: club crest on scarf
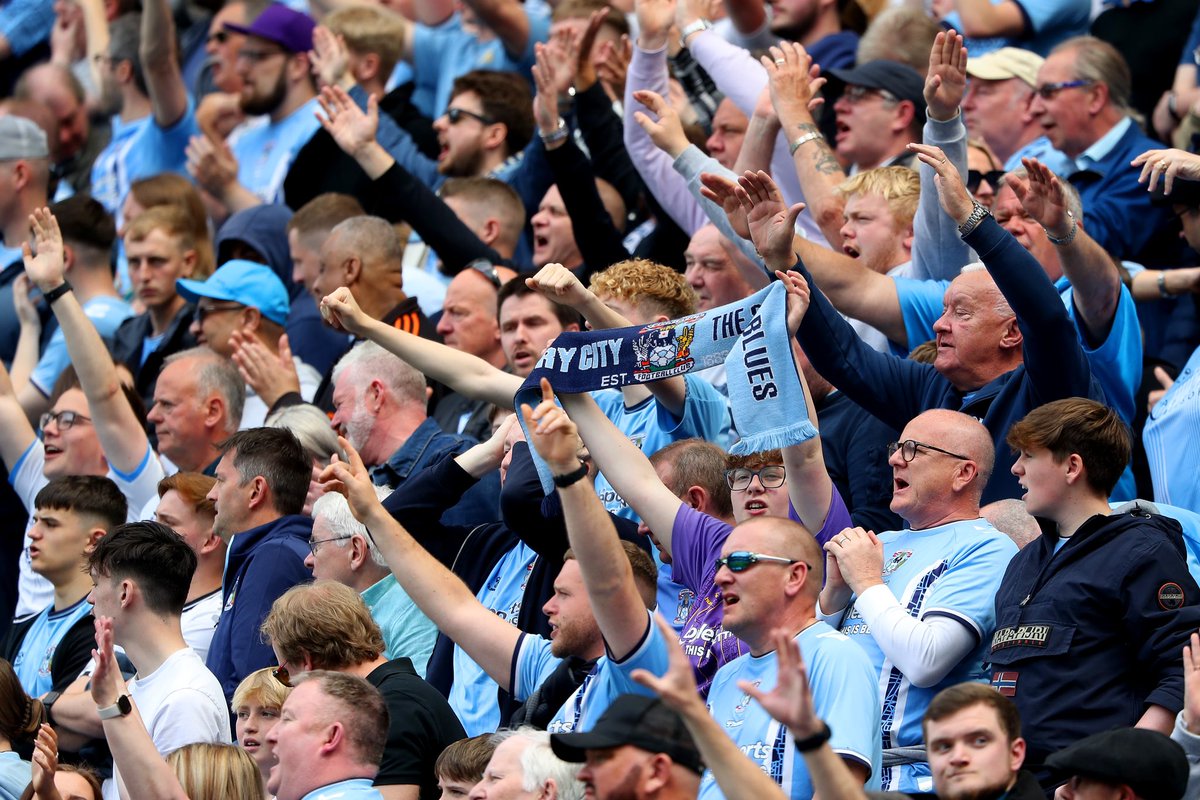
(663, 352)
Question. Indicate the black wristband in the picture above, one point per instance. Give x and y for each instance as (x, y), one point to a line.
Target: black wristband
(56, 292)
(807, 745)
(563, 481)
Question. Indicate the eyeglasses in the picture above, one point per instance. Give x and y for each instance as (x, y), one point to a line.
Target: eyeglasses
(742, 560)
(486, 268)
(1047, 91)
(456, 115)
(255, 56)
(908, 450)
(975, 179)
(64, 419)
(203, 312)
(856, 94)
(282, 675)
(315, 544)
(771, 477)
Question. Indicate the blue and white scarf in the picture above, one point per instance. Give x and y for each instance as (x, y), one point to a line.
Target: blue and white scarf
(750, 337)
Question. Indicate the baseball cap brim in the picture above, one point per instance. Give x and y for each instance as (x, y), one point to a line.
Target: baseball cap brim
(192, 290)
(572, 747)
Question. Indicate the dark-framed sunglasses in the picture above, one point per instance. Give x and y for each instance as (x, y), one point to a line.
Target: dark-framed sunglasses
(282, 675)
(975, 178)
(457, 115)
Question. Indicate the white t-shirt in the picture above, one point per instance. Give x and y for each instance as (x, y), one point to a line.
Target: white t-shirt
(181, 702)
(254, 412)
(35, 592)
(199, 620)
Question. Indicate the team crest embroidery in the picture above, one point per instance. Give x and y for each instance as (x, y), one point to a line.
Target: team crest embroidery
(1170, 596)
(663, 352)
(896, 561)
(744, 701)
(687, 599)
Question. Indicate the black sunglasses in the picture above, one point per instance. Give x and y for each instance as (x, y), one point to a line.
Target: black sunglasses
(282, 675)
(975, 177)
(456, 115)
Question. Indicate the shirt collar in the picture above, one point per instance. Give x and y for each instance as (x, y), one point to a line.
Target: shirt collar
(1090, 159)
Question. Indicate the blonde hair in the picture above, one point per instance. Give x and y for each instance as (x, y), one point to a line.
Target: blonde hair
(209, 771)
(260, 687)
(640, 281)
(899, 186)
(325, 621)
(370, 29)
(174, 221)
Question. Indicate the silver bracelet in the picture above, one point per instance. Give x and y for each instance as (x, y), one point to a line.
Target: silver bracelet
(1065, 240)
(808, 137)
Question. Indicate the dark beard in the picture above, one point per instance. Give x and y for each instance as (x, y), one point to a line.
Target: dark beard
(798, 30)
(986, 793)
(265, 105)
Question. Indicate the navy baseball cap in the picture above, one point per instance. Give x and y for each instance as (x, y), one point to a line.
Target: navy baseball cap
(899, 80)
(291, 30)
(245, 282)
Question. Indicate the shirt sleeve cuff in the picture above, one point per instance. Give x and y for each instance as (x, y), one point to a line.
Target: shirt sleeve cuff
(874, 602)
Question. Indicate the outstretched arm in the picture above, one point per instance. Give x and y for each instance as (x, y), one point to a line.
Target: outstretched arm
(438, 592)
(121, 434)
(619, 608)
(1092, 272)
(508, 19)
(464, 373)
(144, 773)
(160, 64)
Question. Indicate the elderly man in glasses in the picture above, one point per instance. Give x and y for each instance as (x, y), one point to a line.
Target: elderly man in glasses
(919, 601)
(1081, 102)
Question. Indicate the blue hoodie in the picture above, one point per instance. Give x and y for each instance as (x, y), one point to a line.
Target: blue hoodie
(263, 563)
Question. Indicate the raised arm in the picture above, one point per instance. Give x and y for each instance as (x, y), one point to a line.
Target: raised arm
(464, 373)
(160, 64)
(615, 600)
(439, 593)
(26, 357)
(1092, 272)
(508, 20)
(983, 18)
(144, 773)
(121, 434)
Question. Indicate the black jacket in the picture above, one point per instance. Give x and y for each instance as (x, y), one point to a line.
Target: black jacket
(127, 348)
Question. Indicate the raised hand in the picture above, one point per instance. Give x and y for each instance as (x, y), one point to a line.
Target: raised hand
(329, 58)
(45, 764)
(666, 131)
(655, 18)
(946, 81)
(772, 224)
(351, 127)
(581, 50)
(791, 700)
(676, 686)
(952, 192)
(46, 267)
(107, 684)
(1170, 164)
(1191, 684)
(342, 311)
(552, 433)
(27, 313)
(269, 375)
(790, 76)
(1165, 383)
(798, 299)
(723, 192)
(552, 75)
(212, 165)
(560, 285)
(351, 478)
(859, 555)
(1043, 198)
(612, 65)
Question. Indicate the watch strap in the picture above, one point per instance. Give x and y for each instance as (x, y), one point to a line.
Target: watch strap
(972, 222)
(563, 481)
(57, 292)
(693, 28)
(121, 708)
(810, 743)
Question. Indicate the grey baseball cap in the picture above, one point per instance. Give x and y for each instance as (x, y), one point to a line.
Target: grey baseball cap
(21, 138)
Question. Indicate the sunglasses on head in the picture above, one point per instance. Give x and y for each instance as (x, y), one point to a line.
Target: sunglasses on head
(282, 675)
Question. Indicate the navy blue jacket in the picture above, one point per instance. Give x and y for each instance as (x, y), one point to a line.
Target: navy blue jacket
(895, 389)
(263, 563)
(1088, 637)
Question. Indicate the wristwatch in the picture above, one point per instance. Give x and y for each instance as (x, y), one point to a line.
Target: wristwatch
(972, 222)
(121, 708)
(563, 481)
(693, 27)
(559, 134)
(57, 292)
(48, 700)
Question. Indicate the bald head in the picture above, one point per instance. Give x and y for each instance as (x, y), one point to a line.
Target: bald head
(787, 538)
(964, 435)
(55, 88)
(940, 478)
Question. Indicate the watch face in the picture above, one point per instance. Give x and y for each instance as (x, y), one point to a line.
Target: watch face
(123, 704)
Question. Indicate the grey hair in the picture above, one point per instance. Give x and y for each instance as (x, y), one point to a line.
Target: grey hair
(369, 359)
(1098, 61)
(1002, 306)
(217, 374)
(373, 239)
(539, 764)
(1074, 201)
(335, 510)
(311, 426)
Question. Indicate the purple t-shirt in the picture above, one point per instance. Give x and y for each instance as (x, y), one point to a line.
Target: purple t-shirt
(696, 540)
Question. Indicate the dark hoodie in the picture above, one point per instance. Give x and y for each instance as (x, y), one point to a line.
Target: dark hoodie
(263, 229)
